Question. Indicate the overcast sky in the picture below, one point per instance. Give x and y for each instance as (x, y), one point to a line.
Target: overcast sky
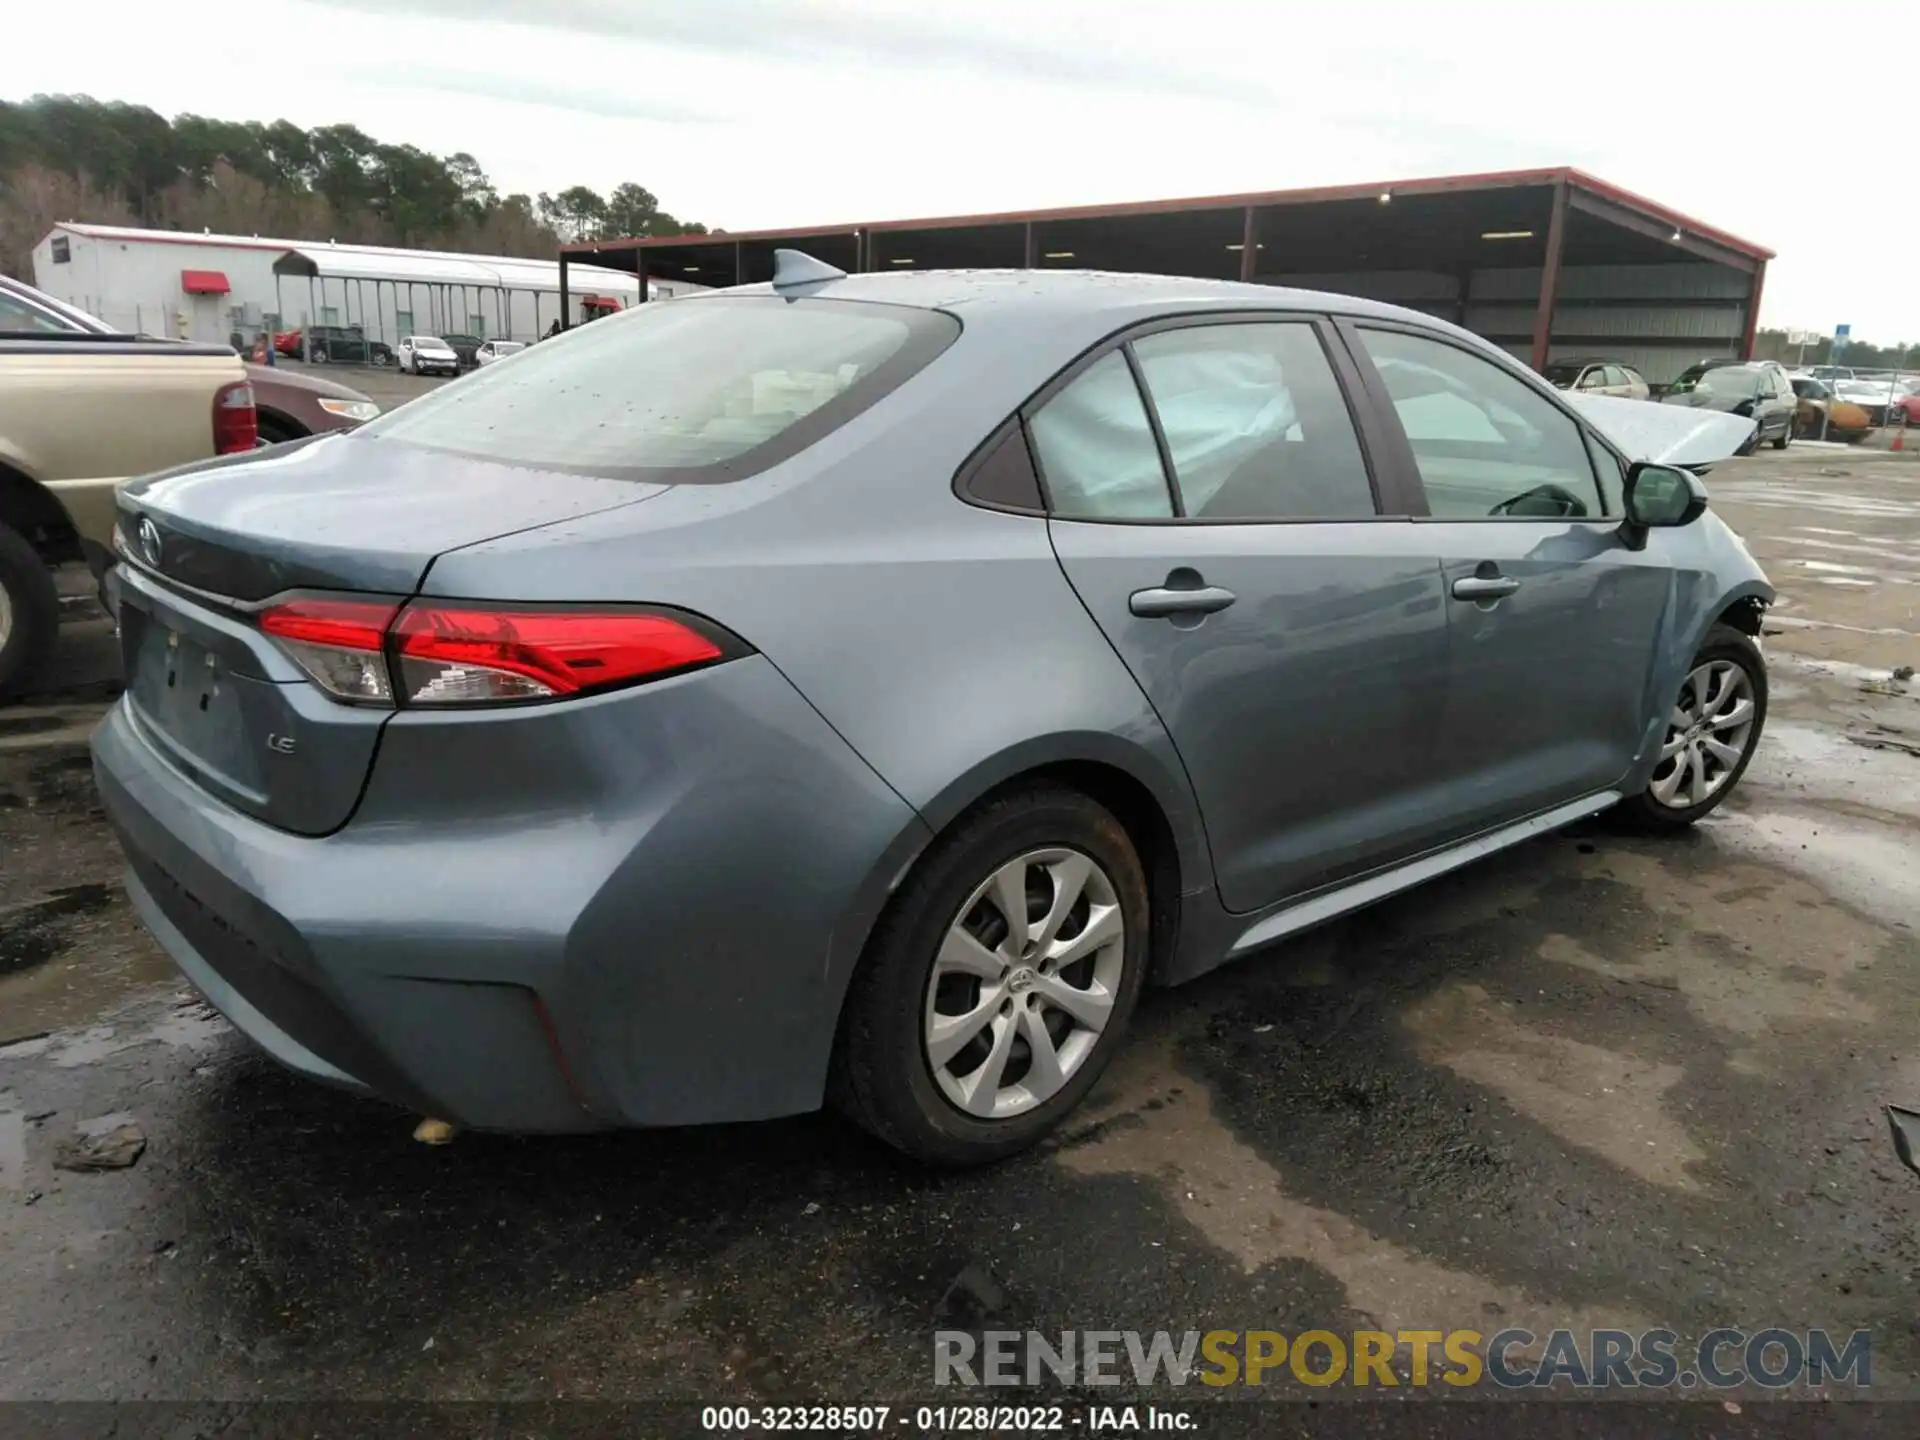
(762, 113)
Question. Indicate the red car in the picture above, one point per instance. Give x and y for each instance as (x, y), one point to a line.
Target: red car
(1906, 409)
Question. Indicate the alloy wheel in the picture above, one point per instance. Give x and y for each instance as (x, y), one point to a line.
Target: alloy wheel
(1707, 735)
(1024, 982)
(6, 615)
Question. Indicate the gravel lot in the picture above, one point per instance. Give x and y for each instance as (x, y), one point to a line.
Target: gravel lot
(1597, 1080)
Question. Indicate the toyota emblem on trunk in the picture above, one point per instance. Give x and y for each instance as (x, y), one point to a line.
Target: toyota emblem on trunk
(150, 542)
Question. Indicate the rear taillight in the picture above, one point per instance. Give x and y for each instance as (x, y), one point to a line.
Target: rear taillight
(339, 643)
(463, 656)
(236, 427)
(432, 654)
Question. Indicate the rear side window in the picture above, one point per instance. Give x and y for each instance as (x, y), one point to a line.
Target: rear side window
(1255, 424)
(1096, 448)
(1486, 444)
(696, 391)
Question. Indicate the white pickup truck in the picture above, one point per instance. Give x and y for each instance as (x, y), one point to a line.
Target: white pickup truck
(80, 411)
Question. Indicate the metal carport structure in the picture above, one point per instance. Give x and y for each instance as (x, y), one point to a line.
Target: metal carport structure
(1547, 263)
(388, 292)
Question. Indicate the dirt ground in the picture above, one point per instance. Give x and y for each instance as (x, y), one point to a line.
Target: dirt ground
(1597, 1080)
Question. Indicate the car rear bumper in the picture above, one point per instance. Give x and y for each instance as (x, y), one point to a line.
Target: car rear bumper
(637, 909)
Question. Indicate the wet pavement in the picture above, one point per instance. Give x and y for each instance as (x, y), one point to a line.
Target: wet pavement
(1598, 1080)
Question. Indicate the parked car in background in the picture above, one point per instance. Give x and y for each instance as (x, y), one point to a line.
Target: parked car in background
(338, 345)
(1598, 377)
(1755, 388)
(492, 350)
(466, 347)
(292, 404)
(1831, 373)
(81, 407)
(428, 355)
(1874, 394)
(1820, 414)
(671, 640)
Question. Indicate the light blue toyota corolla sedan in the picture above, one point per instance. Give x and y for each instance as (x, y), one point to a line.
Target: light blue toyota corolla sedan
(858, 687)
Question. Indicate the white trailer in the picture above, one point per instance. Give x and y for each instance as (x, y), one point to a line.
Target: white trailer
(213, 287)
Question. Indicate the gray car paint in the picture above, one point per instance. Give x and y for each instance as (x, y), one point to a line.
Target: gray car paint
(685, 874)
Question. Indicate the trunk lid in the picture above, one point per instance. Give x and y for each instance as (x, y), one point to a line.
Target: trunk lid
(215, 696)
(341, 512)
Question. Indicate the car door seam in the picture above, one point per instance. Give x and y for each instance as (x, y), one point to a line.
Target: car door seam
(1193, 792)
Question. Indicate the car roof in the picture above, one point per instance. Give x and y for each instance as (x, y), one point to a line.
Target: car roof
(1099, 301)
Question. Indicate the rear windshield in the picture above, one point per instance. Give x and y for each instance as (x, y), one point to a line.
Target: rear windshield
(698, 390)
(1562, 375)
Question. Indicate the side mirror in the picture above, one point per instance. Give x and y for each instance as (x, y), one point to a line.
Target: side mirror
(1660, 496)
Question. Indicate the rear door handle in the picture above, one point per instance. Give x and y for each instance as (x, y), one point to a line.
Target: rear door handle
(1161, 602)
(1484, 587)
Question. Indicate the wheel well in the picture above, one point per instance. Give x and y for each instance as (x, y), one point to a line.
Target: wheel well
(1744, 615)
(1140, 814)
(37, 514)
(282, 422)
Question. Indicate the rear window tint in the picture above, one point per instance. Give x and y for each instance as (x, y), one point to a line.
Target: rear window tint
(697, 390)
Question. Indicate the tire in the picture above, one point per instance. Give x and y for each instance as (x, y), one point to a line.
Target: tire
(1786, 437)
(277, 432)
(319, 357)
(884, 1074)
(1724, 646)
(29, 611)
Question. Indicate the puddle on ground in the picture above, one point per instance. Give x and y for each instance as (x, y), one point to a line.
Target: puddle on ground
(94, 960)
(1239, 1203)
(1594, 1098)
(1862, 863)
(1891, 552)
(1771, 495)
(1816, 763)
(190, 1024)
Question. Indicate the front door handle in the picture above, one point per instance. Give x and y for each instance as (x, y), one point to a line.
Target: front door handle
(1161, 602)
(1484, 587)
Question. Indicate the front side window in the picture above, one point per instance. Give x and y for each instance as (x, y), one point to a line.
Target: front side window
(1255, 423)
(698, 390)
(1096, 448)
(1485, 443)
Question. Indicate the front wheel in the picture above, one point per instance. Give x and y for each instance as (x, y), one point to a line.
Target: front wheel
(997, 986)
(29, 610)
(1712, 730)
(1785, 437)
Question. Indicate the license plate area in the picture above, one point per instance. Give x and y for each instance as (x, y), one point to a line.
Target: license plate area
(192, 702)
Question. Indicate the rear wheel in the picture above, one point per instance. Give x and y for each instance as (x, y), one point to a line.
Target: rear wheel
(998, 984)
(1785, 438)
(29, 610)
(1712, 730)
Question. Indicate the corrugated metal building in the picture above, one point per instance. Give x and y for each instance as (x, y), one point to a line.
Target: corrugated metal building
(207, 287)
(1551, 264)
